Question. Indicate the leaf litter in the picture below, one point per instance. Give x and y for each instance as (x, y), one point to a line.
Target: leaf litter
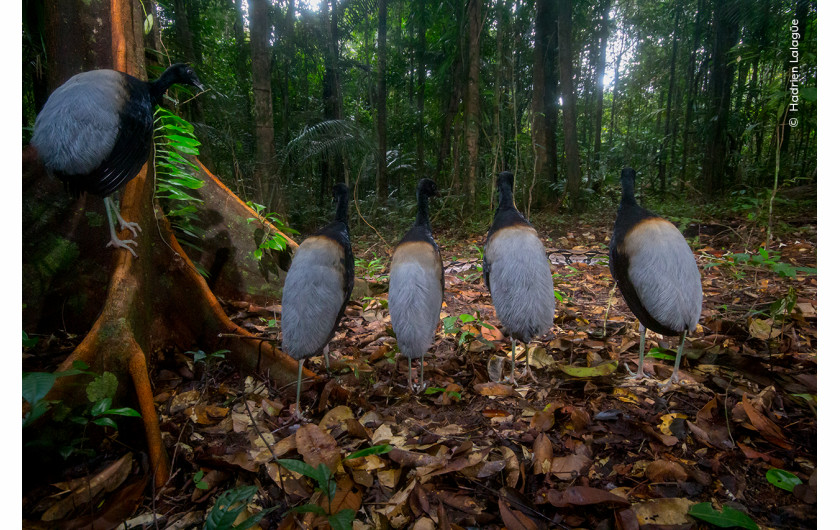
(582, 446)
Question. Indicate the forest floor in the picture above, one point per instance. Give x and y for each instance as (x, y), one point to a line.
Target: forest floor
(581, 446)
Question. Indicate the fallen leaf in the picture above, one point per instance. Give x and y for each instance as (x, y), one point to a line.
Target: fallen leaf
(584, 496)
(769, 430)
(317, 447)
(663, 511)
(570, 467)
(590, 371)
(543, 454)
(543, 420)
(514, 519)
(494, 389)
(336, 417)
(665, 471)
(108, 479)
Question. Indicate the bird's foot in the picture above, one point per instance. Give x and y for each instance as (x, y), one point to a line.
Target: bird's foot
(638, 374)
(418, 388)
(128, 225)
(511, 379)
(674, 380)
(122, 243)
(530, 374)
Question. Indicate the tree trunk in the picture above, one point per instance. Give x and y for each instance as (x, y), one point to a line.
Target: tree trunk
(544, 102)
(603, 38)
(421, 87)
(456, 82)
(263, 108)
(156, 300)
(715, 167)
(381, 97)
(663, 181)
(472, 117)
(567, 90)
(691, 92)
(332, 164)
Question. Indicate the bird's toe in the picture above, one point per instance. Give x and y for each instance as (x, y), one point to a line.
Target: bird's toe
(123, 243)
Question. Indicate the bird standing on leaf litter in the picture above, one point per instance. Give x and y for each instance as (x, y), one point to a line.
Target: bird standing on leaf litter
(95, 133)
(415, 292)
(655, 271)
(517, 274)
(317, 289)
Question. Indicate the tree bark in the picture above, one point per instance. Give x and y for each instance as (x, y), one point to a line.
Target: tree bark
(567, 90)
(263, 108)
(603, 39)
(381, 97)
(715, 167)
(421, 87)
(472, 115)
(544, 102)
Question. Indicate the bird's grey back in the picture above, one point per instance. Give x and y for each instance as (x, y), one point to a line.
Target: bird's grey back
(83, 122)
(664, 274)
(313, 295)
(415, 296)
(520, 282)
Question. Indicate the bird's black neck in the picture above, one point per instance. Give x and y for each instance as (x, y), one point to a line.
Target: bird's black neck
(342, 208)
(505, 197)
(628, 191)
(158, 87)
(422, 211)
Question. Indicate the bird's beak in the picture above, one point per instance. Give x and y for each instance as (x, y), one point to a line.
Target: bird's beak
(198, 85)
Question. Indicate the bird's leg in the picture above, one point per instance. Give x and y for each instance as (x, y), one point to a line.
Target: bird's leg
(410, 382)
(297, 399)
(134, 227)
(421, 373)
(640, 373)
(327, 357)
(675, 377)
(115, 241)
(512, 361)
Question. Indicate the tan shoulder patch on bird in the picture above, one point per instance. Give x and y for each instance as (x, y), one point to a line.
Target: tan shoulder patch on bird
(421, 252)
(650, 229)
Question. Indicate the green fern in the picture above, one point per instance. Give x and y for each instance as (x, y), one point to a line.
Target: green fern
(176, 176)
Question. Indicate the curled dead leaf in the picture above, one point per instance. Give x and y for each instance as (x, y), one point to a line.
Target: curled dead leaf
(665, 471)
(543, 454)
(317, 447)
(494, 389)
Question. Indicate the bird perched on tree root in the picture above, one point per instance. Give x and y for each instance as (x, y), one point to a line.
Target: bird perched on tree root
(95, 133)
(317, 289)
(415, 293)
(517, 274)
(655, 271)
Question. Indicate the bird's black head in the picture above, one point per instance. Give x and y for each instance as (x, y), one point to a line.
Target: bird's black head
(427, 188)
(628, 186)
(340, 191)
(505, 178)
(182, 74)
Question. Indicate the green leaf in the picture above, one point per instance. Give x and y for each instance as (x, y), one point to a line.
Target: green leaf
(102, 386)
(298, 466)
(27, 342)
(343, 520)
(36, 385)
(323, 475)
(727, 519)
(101, 406)
(123, 411)
(660, 353)
(808, 93)
(147, 24)
(782, 479)
(106, 422)
(375, 450)
(228, 506)
(590, 371)
(37, 410)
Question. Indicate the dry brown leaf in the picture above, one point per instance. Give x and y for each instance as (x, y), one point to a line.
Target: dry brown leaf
(584, 496)
(411, 459)
(514, 519)
(663, 512)
(424, 523)
(347, 496)
(543, 420)
(769, 430)
(108, 479)
(317, 447)
(665, 471)
(543, 454)
(336, 417)
(494, 389)
(511, 466)
(570, 467)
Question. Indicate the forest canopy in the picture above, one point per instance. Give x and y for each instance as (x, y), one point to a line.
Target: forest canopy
(700, 97)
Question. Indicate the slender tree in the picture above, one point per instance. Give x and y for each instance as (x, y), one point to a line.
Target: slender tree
(381, 98)
(472, 113)
(567, 89)
(263, 108)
